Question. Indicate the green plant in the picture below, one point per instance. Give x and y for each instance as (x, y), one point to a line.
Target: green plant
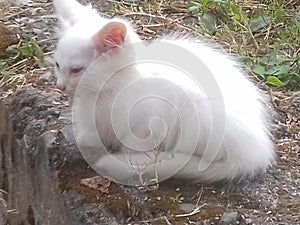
(28, 55)
(4, 71)
(177, 199)
(277, 71)
(30, 48)
(265, 35)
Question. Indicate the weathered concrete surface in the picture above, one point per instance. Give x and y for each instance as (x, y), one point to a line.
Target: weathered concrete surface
(35, 162)
(25, 176)
(5, 145)
(41, 169)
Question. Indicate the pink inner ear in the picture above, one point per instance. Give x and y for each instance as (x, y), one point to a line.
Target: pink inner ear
(110, 36)
(114, 38)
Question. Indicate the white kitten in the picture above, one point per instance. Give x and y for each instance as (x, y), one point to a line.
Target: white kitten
(153, 120)
(84, 35)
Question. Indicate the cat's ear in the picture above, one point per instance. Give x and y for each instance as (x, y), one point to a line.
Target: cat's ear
(70, 11)
(110, 36)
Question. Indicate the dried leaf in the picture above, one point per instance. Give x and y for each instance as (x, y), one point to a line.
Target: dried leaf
(98, 183)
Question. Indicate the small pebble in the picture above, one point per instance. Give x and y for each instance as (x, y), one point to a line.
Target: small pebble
(188, 207)
(229, 218)
(46, 77)
(248, 221)
(37, 31)
(294, 194)
(49, 61)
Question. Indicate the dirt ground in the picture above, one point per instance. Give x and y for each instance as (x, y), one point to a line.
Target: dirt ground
(270, 199)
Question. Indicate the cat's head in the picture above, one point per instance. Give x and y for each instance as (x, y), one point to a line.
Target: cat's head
(84, 36)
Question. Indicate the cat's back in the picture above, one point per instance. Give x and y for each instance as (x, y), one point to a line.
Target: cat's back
(212, 56)
(203, 62)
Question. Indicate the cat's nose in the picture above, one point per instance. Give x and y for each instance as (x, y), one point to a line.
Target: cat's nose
(61, 87)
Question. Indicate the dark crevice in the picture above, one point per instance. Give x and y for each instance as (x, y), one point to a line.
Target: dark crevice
(4, 181)
(30, 216)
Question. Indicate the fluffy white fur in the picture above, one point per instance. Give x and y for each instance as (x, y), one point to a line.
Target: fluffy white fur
(176, 129)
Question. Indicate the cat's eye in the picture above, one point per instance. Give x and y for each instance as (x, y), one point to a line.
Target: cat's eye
(56, 65)
(76, 70)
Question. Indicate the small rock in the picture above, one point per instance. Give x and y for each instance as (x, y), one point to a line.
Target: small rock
(37, 31)
(294, 194)
(248, 221)
(46, 77)
(48, 61)
(296, 98)
(53, 112)
(229, 218)
(188, 207)
(6, 39)
(206, 222)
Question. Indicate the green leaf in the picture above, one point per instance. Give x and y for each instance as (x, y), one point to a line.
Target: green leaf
(209, 21)
(277, 70)
(2, 65)
(296, 76)
(272, 59)
(26, 50)
(259, 70)
(284, 76)
(39, 55)
(272, 80)
(3, 71)
(7, 73)
(259, 23)
(220, 1)
(31, 49)
(194, 7)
